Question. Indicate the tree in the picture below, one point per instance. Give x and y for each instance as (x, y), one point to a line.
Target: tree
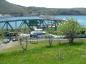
(70, 28)
(83, 30)
(23, 40)
(50, 40)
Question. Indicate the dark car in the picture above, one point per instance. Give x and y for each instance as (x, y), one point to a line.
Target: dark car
(82, 36)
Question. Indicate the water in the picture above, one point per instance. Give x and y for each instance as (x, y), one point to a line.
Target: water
(81, 19)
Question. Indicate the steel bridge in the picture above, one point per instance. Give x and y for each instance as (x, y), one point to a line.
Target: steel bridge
(13, 23)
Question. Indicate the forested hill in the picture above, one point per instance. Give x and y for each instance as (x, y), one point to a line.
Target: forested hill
(58, 11)
(8, 8)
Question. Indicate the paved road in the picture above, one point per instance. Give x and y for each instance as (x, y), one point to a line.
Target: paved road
(11, 44)
(44, 39)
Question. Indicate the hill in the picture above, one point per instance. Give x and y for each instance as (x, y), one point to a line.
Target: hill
(9, 8)
(58, 11)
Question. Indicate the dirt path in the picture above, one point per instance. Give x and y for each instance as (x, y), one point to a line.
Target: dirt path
(8, 45)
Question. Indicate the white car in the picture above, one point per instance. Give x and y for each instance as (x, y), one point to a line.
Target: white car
(6, 41)
(57, 36)
(54, 36)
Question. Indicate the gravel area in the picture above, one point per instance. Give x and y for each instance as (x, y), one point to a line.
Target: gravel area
(7, 45)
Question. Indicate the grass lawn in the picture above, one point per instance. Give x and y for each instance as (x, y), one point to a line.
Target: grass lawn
(41, 53)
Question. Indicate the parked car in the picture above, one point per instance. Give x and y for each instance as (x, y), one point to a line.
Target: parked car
(6, 41)
(82, 36)
(37, 34)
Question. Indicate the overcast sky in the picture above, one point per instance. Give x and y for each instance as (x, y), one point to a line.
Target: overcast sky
(51, 3)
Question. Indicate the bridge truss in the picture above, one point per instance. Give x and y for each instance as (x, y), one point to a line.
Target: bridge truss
(17, 23)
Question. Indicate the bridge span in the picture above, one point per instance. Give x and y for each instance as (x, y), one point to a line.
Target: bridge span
(17, 22)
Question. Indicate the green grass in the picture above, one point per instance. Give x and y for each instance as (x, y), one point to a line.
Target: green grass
(41, 53)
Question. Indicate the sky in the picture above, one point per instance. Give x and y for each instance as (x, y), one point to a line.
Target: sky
(51, 3)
